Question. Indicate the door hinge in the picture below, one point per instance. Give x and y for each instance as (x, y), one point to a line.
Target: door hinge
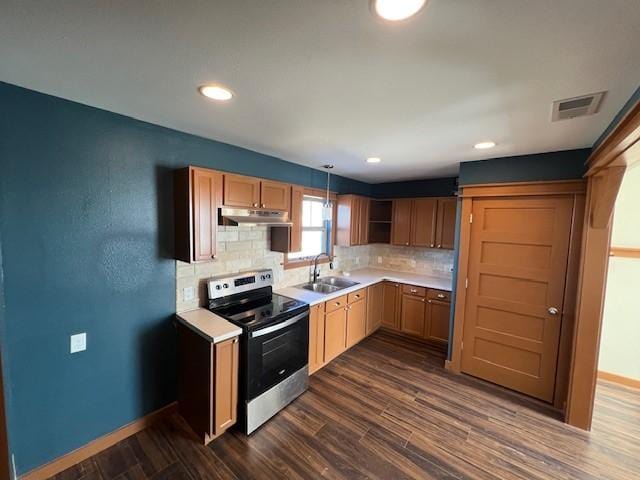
(466, 283)
(471, 218)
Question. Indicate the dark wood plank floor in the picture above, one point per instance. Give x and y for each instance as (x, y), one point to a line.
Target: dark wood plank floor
(387, 409)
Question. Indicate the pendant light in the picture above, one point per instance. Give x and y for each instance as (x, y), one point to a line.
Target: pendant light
(326, 208)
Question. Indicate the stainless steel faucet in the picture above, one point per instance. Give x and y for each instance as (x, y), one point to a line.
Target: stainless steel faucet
(316, 273)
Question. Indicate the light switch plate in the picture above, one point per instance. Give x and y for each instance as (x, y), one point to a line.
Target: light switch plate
(78, 342)
(189, 293)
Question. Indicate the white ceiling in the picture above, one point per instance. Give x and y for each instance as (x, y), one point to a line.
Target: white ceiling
(320, 81)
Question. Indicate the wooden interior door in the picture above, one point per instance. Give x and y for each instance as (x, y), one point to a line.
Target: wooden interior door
(375, 306)
(423, 222)
(391, 299)
(205, 186)
(446, 224)
(226, 385)
(516, 277)
(401, 222)
(240, 191)
(275, 195)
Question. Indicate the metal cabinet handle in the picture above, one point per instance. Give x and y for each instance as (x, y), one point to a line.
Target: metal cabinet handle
(429, 301)
(413, 290)
(255, 204)
(432, 245)
(441, 295)
(407, 243)
(264, 205)
(553, 311)
(235, 340)
(439, 246)
(357, 295)
(337, 304)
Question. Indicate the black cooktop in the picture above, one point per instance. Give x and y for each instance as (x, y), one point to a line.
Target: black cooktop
(260, 311)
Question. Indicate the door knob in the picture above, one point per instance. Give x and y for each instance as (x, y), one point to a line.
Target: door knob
(553, 311)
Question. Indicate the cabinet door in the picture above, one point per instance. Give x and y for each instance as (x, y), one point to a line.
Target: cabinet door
(446, 223)
(355, 221)
(226, 385)
(363, 234)
(438, 324)
(205, 188)
(335, 333)
(316, 337)
(401, 222)
(390, 317)
(356, 322)
(345, 221)
(375, 302)
(275, 195)
(423, 222)
(241, 191)
(413, 315)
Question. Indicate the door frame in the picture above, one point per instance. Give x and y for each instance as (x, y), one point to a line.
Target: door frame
(574, 188)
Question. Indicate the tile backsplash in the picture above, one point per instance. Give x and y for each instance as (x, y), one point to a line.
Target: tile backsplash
(247, 248)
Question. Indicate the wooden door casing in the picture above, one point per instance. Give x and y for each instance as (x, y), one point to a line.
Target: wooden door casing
(226, 385)
(240, 191)
(316, 337)
(424, 215)
(516, 272)
(401, 222)
(375, 307)
(446, 223)
(413, 315)
(275, 195)
(356, 322)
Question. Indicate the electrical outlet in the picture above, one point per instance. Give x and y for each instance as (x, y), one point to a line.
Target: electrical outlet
(78, 342)
(379, 259)
(189, 293)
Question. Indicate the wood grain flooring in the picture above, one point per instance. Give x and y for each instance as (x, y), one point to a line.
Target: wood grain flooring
(388, 410)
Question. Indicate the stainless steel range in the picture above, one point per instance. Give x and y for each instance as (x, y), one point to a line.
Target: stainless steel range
(274, 346)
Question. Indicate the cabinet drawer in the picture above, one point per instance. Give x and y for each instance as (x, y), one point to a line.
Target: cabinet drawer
(336, 303)
(441, 295)
(358, 295)
(413, 290)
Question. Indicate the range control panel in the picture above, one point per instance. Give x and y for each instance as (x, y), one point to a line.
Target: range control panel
(223, 285)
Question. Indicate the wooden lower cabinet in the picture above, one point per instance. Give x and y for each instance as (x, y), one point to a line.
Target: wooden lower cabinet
(438, 326)
(335, 333)
(356, 322)
(207, 383)
(413, 315)
(391, 305)
(316, 337)
(375, 302)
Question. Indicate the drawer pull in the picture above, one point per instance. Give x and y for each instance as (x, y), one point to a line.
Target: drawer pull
(337, 304)
(413, 290)
(441, 295)
(357, 295)
(429, 301)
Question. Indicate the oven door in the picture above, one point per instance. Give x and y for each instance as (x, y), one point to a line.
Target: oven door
(275, 352)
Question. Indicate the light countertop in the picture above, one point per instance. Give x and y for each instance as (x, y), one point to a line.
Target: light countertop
(209, 325)
(366, 277)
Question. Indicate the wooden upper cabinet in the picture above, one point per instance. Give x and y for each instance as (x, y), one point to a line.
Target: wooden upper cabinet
(241, 191)
(424, 214)
(446, 225)
(197, 196)
(275, 195)
(401, 226)
(353, 220)
(289, 239)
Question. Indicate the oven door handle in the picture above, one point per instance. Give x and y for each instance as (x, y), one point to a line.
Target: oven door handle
(279, 326)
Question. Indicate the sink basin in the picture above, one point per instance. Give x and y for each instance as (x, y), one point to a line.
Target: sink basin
(337, 282)
(328, 285)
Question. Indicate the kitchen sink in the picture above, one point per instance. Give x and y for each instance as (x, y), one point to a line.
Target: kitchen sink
(328, 285)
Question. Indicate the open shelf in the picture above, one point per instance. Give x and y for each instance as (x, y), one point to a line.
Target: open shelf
(380, 212)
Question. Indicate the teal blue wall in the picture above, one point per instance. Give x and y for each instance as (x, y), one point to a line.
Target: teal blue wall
(86, 235)
(564, 165)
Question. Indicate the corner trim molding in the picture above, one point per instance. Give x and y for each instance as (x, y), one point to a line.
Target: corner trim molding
(99, 444)
(619, 379)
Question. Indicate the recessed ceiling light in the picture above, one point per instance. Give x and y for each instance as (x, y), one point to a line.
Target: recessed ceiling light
(374, 160)
(484, 145)
(216, 92)
(396, 10)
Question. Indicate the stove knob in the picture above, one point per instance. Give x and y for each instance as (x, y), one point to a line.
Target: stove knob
(218, 287)
(226, 285)
(262, 277)
(268, 275)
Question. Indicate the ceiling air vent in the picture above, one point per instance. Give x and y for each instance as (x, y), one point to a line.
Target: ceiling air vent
(576, 107)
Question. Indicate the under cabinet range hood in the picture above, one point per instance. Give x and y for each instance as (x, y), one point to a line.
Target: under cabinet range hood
(253, 216)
